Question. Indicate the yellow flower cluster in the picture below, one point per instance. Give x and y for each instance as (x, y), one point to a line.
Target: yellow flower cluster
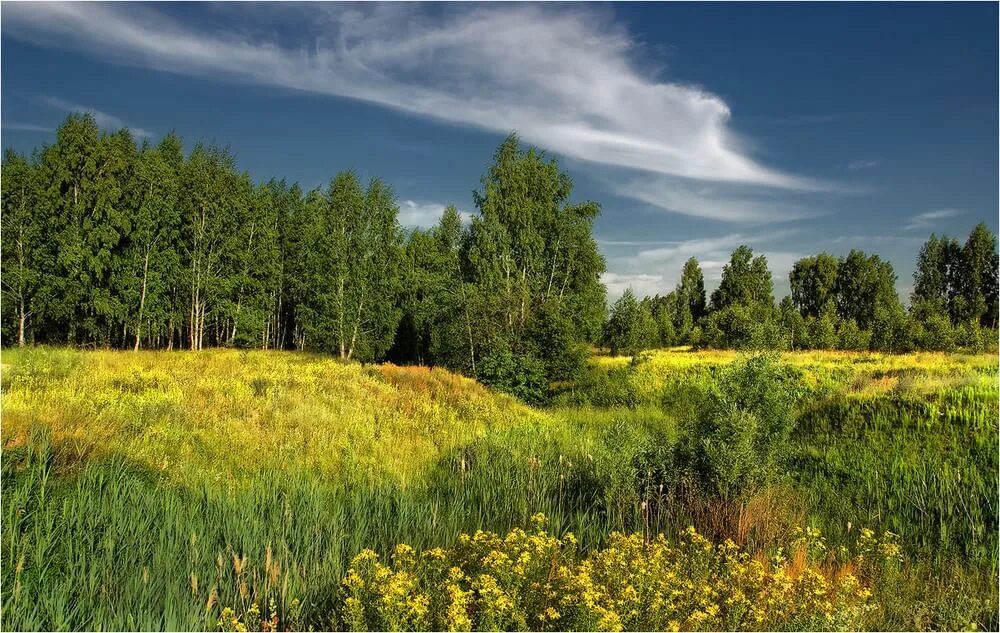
(532, 580)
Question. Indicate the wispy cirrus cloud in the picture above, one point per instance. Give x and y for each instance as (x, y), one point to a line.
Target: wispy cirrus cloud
(103, 119)
(716, 201)
(927, 220)
(564, 78)
(26, 127)
(862, 164)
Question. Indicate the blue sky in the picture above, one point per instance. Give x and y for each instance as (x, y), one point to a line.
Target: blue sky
(794, 128)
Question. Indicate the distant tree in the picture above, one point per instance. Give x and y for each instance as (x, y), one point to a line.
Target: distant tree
(852, 337)
(746, 281)
(930, 279)
(434, 328)
(104, 243)
(812, 281)
(793, 324)
(865, 285)
(68, 172)
(255, 265)
(991, 286)
(530, 247)
(150, 261)
(354, 270)
(691, 289)
(822, 329)
(25, 254)
(937, 278)
(931, 329)
(553, 339)
(662, 309)
(743, 312)
(978, 265)
(630, 327)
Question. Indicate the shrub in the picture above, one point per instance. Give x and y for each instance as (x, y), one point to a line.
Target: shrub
(554, 340)
(852, 337)
(932, 331)
(734, 442)
(520, 375)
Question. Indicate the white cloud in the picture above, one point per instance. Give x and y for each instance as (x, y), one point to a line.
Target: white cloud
(424, 215)
(864, 163)
(562, 77)
(26, 127)
(657, 270)
(726, 202)
(103, 119)
(927, 220)
(641, 284)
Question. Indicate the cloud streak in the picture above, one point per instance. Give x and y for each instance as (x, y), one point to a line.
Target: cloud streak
(26, 127)
(927, 220)
(564, 79)
(715, 201)
(863, 164)
(103, 119)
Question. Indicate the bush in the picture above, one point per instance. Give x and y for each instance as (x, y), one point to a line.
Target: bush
(822, 331)
(972, 338)
(934, 332)
(744, 327)
(553, 338)
(852, 337)
(734, 443)
(520, 375)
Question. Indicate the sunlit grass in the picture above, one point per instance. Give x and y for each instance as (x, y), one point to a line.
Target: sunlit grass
(225, 414)
(129, 477)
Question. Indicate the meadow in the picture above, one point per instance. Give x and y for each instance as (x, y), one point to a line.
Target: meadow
(239, 490)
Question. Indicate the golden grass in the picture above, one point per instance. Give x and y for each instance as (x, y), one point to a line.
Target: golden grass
(865, 373)
(224, 413)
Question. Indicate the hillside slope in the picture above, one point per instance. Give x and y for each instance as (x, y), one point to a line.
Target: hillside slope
(226, 414)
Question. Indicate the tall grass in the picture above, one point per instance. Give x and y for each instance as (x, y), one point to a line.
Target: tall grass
(151, 490)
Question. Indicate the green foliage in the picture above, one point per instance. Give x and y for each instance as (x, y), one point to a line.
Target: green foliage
(746, 281)
(743, 314)
(852, 337)
(631, 327)
(747, 327)
(601, 388)
(823, 329)
(110, 244)
(931, 328)
(530, 247)
(24, 255)
(521, 375)
(555, 341)
(353, 269)
(865, 287)
(812, 281)
(734, 443)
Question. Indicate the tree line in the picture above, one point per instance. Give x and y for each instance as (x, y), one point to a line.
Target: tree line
(846, 303)
(107, 243)
(112, 244)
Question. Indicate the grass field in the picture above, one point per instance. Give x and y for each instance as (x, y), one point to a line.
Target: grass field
(226, 489)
